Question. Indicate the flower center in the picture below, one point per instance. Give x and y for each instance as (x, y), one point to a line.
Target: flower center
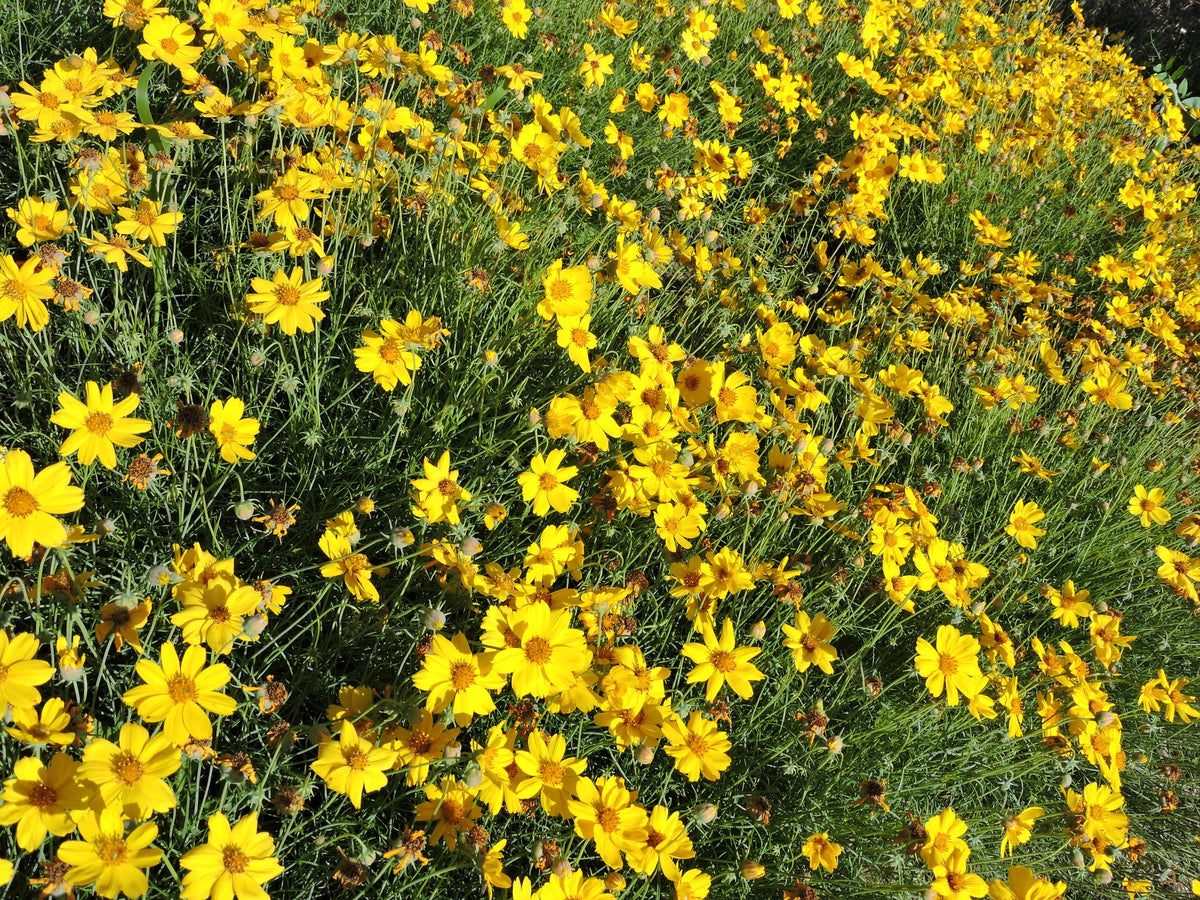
(170, 45)
(697, 744)
(287, 295)
(389, 353)
(947, 664)
(551, 773)
(43, 796)
(128, 769)
(234, 860)
(219, 614)
(462, 675)
(608, 819)
(357, 760)
(547, 482)
(419, 742)
(287, 192)
(447, 487)
(537, 651)
(111, 849)
(19, 503)
(723, 661)
(182, 689)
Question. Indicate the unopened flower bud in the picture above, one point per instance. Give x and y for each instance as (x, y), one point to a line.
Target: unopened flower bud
(758, 630)
(561, 867)
(435, 620)
(645, 754)
(704, 813)
(470, 547)
(753, 870)
(614, 882)
(175, 336)
(254, 626)
(244, 510)
(453, 750)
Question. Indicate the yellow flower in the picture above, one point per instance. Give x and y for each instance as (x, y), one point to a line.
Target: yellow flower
(99, 426)
(595, 66)
(493, 868)
(288, 300)
(233, 432)
(550, 774)
(24, 290)
(697, 747)
(452, 804)
(719, 662)
(1022, 524)
(39, 799)
(545, 483)
(606, 814)
(355, 568)
(131, 774)
(666, 841)
(179, 692)
(168, 39)
(953, 665)
(1019, 829)
(573, 335)
(547, 654)
(110, 858)
(1148, 506)
(452, 675)
(22, 673)
(285, 198)
(821, 852)
(39, 220)
(213, 611)
(516, 15)
(352, 765)
(148, 222)
(809, 642)
(235, 863)
(438, 493)
(52, 725)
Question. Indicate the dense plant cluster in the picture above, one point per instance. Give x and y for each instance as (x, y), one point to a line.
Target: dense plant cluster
(617, 449)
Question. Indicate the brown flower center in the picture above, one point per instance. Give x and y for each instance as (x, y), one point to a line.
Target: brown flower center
(19, 503)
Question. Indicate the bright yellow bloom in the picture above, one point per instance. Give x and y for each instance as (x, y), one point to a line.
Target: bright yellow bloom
(606, 814)
(213, 611)
(22, 673)
(39, 799)
(132, 773)
(438, 493)
(719, 661)
(285, 198)
(99, 425)
(39, 220)
(550, 773)
(568, 291)
(24, 290)
(545, 483)
(355, 569)
(952, 881)
(168, 39)
(1148, 506)
(353, 766)
(1099, 810)
(50, 725)
(233, 865)
(288, 300)
(821, 852)
(453, 806)
(809, 642)
(452, 675)
(666, 841)
(180, 693)
(575, 337)
(233, 432)
(952, 665)
(110, 858)
(595, 66)
(1022, 524)
(148, 222)
(1019, 829)
(697, 747)
(547, 654)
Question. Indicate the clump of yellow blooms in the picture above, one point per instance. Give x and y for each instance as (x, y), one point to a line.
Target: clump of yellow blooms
(775, 350)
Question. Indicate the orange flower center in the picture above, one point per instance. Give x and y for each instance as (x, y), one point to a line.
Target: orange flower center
(723, 661)
(357, 760)
(182, 689)
(19, 503)
(447, 487)
(462, 675)
(234, 860)
(128, 769)
(550, 773)
(287, 192)
(43, 796)
(98, 423)
(547, 482)
(697, 744)
(537, 651)
(947, 664)
(608, 819)
(170, 45)
(146, 217)
(419, 742)
(219, 614)
(389, 353)
(287, 295)
(560, 291)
